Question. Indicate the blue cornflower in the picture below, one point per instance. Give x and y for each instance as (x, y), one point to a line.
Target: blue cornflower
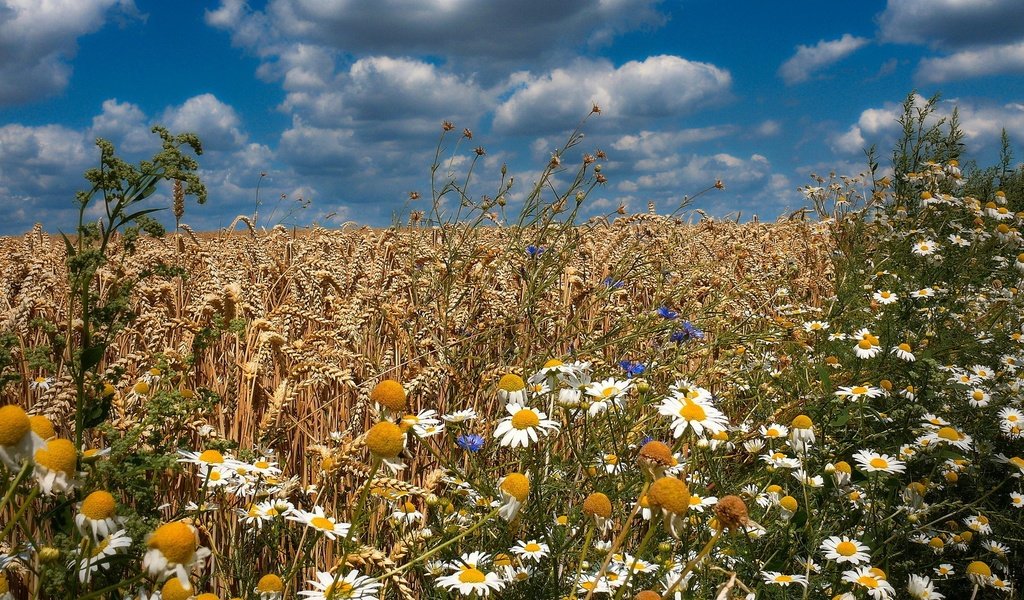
(632, 367)
(534, 251)
(470, 441)
(667, 312)
(692, 332)
(613, 283)
(687, 333)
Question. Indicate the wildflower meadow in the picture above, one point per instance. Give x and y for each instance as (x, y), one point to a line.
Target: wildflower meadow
(505, 400)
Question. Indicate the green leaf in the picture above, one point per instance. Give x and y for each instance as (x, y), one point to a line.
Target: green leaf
(92, 355)
(826, 380)
(842, 419)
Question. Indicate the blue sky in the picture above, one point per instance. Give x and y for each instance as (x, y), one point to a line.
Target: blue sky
(340, 102)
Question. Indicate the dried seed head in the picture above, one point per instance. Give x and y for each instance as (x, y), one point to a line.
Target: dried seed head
(731, 512)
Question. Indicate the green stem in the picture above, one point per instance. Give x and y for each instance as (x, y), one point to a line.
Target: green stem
(690, 565)
(21, 512)
(437, 549)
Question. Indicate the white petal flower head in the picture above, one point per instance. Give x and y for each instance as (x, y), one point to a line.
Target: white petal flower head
(870, 461)
(523, 426)
(693, 411)
(845, 550)
(353, 586)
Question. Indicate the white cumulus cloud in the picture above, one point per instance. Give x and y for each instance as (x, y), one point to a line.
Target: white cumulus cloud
(660, 86)
(38, 38)
(952, 24)
(990, 60)
(810, 59)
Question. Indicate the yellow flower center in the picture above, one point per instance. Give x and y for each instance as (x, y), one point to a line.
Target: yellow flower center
(868, 581)
(843, 467)
(322, 523)
(904, 347)
(609, 391)
(532, 547)
(802, 422)
(473, 575)
(671, 494)
(611, 459)
(554, 362)
(691, 411)
(176, 541)
(42, 426)
(59, 455)
(517, 486)
(948, 433)
(212, 457)
(502, 560)
(784, 579)
(864, 344)
(385, 439)
(389, 393)
(773, 432)
(98, 505)
(879, 463)
(341, 589)
(845, 548)
(979, 568)
(141, 388)
(789, 503)
(14, 424)
(978, 395)
(511, 383)
(525, 419)
(100, 547)
(860, 389)
(936, 542)
(174, 590)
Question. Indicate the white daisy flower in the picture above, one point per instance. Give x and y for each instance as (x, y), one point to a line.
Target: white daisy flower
(872, 462)
(693, 410)
(813, 326)
(470, 581)
(318, 520)
(776, 578)
(925, 247)
(531, 550)
(845, 550)
(523, 426)
(922, 588)
(872, 580)
(460, 416)
(353, 586)
(904, 352)
(99, 554)
(884, 297)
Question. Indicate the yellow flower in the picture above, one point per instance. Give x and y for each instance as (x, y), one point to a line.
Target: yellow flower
(385, 439)
(390, 394)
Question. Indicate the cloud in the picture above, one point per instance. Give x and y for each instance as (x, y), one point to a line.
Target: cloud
(952, 24)
(395, 97)
(41, 166)
(982, 123)
(488, 35)
(809, 59)
(38, 38)
(660, 86)
(216, 123)
(990, 60)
